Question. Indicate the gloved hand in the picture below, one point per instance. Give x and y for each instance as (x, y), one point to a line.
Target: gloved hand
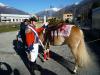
(30, 47)
(45, 25)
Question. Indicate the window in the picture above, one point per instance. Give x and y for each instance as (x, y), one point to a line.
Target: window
(16, 20)
(5, 17)
(13, 20)
(67, 15)
(20, 20)
(70, 15)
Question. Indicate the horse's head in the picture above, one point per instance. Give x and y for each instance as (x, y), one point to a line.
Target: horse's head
(54, 25)
(55, 22)
(49, 33)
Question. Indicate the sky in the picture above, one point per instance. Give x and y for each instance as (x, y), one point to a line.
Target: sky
(34, 6)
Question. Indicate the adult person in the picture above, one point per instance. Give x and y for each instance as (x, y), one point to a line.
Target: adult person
(23, 26)
(32, 40)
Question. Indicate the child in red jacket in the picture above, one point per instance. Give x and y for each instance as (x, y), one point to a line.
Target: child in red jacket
(32, 40)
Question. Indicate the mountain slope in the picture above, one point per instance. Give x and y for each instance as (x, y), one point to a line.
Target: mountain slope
(4, 9)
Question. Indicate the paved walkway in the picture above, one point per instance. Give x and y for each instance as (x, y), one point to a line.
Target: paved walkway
(61, 62)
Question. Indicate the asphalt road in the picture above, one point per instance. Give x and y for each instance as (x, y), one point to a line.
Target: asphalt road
(13, 62)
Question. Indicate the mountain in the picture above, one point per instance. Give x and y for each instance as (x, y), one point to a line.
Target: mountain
(4, 9)
(47, 12)
(82, 7)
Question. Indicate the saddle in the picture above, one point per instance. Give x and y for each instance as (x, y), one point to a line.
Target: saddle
(62, 30)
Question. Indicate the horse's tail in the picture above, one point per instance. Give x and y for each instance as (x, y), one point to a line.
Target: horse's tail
(83, 55)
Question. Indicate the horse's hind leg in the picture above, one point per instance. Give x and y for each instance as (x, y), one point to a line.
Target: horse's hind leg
(74, 52)
(74, 49)
(76, 60)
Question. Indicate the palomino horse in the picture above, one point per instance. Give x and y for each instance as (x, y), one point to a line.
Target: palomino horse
(74, 38)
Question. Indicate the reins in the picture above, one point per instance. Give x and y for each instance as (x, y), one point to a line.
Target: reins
(93, 41)
(53, 28)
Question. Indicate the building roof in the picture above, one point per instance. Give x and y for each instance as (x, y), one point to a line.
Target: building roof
(10, 10)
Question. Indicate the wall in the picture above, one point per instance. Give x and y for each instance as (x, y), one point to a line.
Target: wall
(96, 18)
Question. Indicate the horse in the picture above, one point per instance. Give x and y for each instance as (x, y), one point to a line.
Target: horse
(74, 39)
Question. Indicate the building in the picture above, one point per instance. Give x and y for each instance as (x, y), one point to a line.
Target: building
(84, 10)
(13, 17)
(67, 16)
(10, 14)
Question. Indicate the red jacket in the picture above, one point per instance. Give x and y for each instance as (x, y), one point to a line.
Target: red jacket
(30, 36)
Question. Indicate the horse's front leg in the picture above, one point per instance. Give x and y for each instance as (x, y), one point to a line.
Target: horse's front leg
(47, 52)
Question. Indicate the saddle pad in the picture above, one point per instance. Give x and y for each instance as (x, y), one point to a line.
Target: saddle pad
(63, 31)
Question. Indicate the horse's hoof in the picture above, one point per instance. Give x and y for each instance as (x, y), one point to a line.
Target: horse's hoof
(48, 58)
(44, 60)
(75, 70)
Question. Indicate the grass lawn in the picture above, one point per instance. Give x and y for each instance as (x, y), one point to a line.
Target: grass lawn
(8, 28)
(39, 24)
